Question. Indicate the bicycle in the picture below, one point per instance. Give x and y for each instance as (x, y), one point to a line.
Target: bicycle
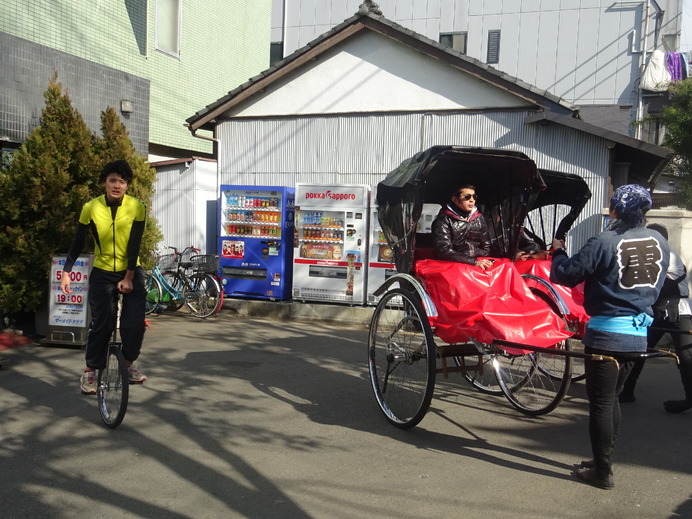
(113, 382)
(209, 264)
(199, 292)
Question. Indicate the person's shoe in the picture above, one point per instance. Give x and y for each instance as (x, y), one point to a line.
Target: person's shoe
(136, 376)
(588, 464)
(626, 397)
(88, 383)
(590, 477)
(677, 406)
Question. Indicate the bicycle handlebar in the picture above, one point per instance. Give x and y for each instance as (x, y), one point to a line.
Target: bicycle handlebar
(176, 252)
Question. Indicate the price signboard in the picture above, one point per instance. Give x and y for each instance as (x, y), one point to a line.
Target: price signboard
(69, 310)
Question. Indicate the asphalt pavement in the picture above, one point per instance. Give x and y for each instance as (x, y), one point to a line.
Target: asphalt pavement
(262, 418)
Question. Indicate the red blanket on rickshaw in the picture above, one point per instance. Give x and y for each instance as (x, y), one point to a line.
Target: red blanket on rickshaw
(487, 304)
(573, 297)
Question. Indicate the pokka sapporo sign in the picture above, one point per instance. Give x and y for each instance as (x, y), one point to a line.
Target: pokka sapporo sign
(331, 195)
(69, 309)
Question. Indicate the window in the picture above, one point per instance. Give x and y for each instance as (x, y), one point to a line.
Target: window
(455, 40)
(493, 47)
(168, 26)
(276, 52)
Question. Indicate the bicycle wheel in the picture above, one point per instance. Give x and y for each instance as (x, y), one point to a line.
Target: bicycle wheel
(201, 295)
(112, 388)
(154, 299)
(176, 284)
(222, 295)
(528, 388)
(401, 358)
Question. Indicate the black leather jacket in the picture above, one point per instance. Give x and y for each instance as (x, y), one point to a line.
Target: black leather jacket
(458, 238)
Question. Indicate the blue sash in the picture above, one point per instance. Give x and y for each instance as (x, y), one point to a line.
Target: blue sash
(627, 324)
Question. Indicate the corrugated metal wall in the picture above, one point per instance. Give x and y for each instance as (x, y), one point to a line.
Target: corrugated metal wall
(184, 203)
(363, 148)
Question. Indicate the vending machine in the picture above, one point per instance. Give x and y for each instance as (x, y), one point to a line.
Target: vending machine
(381, 258)
(331, 243)
(255, 242)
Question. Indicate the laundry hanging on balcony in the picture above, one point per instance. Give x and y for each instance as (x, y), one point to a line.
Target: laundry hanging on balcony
(664, 68)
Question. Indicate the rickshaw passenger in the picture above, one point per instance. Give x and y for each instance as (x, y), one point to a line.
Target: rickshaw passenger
(460, 232)
(623, 269)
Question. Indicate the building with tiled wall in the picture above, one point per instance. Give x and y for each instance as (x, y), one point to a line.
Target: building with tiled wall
(163, 56)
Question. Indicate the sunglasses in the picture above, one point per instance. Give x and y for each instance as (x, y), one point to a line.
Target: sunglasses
(468, 197)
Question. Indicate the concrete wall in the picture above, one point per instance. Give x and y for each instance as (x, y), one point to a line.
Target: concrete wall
(679, 225)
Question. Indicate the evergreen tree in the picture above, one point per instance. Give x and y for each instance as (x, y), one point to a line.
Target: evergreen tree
(115, 144)
(44, 188)
(49, 179)
(677, 118)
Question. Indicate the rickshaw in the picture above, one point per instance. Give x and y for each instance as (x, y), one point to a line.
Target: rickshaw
(505, 331)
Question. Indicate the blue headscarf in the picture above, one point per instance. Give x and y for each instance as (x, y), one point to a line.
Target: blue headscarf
(631, 202)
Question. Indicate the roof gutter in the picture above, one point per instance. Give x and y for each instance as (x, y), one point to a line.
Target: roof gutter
(205, 137)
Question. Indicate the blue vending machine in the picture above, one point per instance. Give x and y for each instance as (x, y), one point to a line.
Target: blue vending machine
(256, 241)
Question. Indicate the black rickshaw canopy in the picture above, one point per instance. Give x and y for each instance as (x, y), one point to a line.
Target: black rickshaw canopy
(507, 183)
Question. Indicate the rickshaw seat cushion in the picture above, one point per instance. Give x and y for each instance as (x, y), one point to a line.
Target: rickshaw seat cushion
(487, 304)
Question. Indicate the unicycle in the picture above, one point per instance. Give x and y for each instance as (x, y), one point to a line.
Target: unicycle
(113, 382)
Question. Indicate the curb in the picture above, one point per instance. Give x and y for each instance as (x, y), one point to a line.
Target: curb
(298, 311)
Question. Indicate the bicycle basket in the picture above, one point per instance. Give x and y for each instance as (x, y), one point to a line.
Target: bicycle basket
(208, 263)
(168, 262)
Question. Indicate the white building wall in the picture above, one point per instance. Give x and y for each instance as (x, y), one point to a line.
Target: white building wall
(580, 50)
(370, 72)
(184, 203)
(363, 148)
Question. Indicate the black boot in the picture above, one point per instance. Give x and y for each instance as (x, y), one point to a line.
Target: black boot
(591, 477)
(677, 406)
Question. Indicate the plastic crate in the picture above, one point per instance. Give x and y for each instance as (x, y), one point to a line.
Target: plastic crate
(208, 263)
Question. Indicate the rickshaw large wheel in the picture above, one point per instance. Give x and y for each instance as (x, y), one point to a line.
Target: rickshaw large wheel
(401, 358)
(530, 389)
(554, 369)
(486, 381)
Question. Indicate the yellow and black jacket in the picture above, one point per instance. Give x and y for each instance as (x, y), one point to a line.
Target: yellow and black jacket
(117, 230)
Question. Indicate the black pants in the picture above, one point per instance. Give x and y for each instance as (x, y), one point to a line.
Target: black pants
(103, 286)
(603, 385)
(683, 348)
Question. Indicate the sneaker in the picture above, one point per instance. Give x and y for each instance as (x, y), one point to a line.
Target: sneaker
(88, 383)
(136, 376)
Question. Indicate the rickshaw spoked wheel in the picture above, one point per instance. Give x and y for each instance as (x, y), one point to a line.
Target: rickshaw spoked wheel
(401, 358)
(555, 369)
(485, 379)
(527, 386)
